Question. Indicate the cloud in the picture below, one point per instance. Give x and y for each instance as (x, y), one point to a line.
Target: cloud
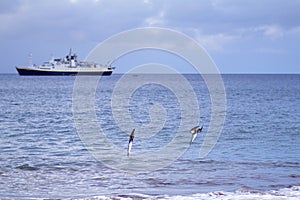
(158, 20)
(8, 6)
(213, 42)
(217, 18)
(270, 50)
(220, 26)
(251, 13)
(294, 31)
(218, 23)
(54, 18)
(270, 31)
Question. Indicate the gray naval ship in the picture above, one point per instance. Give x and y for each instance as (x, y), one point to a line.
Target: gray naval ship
(67, 66)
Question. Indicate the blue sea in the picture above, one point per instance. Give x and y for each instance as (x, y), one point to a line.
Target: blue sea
(43, 155)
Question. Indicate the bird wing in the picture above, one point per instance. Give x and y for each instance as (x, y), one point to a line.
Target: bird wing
(132, 132)
(199, 129)
(131, 136)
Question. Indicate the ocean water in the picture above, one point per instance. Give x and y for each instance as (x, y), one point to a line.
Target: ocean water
(43, 156)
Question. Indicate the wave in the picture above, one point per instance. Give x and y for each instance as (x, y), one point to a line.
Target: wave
(292, 193)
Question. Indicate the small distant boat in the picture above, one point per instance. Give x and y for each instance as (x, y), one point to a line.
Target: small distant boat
(68, 66)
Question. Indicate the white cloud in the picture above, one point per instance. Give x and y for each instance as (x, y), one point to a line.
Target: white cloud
(270, 31)
(220, 26)
(294, 31)
(213, 42)
(158, 20)
(271, 50)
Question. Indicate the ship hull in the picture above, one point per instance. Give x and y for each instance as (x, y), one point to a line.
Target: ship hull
(36, 72)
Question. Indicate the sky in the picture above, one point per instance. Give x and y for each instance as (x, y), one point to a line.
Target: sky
(241, 36)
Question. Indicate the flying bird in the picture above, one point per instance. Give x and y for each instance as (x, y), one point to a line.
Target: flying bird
(130, 142)
(194, 132)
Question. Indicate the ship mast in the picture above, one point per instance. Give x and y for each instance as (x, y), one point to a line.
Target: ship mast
(70, 54)
(30, 59)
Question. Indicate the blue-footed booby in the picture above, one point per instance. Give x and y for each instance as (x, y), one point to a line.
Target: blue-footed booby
(130, 142)
(195, 132)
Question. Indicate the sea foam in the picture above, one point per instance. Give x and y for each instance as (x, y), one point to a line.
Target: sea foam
(292, 193)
